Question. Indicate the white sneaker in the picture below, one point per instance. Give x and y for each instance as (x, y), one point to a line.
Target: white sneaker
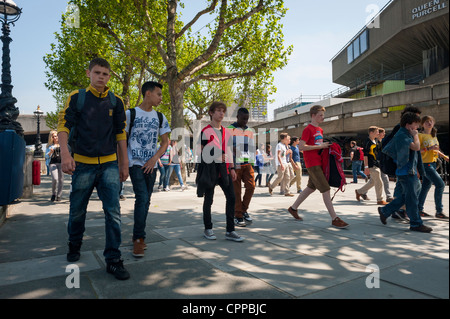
(160, 187)
(167, 189)
(183, 187)
(233, 236)
(209, 234)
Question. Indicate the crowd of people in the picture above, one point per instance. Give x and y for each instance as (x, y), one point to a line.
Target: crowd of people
(126, 145)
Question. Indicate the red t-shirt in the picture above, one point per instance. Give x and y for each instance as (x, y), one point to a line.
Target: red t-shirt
(312, 135)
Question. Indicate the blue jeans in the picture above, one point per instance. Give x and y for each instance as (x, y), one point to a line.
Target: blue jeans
(432, 177)
(406, 193)
(143, 189)
(356, 169)
(162, 174)
(177, 169)
(105, 178)
(165, 176)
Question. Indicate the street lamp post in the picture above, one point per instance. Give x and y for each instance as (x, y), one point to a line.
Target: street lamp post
(38, 145)
(9, 13)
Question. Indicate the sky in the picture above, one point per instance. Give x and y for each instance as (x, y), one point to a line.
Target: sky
(318, 30)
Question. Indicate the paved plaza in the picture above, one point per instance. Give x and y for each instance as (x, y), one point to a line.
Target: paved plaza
(281, 258)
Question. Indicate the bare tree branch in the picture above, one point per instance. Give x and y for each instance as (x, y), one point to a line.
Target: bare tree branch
(191, 23)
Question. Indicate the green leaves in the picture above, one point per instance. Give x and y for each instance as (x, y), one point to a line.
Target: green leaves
(146, 40)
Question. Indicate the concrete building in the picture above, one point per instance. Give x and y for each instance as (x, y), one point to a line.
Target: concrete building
(405, 46)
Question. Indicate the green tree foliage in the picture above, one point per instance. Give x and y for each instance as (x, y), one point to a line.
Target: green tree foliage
(146, 40)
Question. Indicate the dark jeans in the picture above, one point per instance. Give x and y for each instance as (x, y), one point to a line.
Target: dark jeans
(406, 193)
(143, 189)
(228, 190)
(258, 177)
(356, 169)
(432, 177)
(105, 178)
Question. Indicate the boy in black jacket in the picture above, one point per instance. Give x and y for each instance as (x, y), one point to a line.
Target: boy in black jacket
(99, 125)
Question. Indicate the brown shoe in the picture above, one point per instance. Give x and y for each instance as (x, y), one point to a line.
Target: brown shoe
(339, 223)
(270, 190)
(358, 196)
(294, 213)
(381, 202)
(289, 194)
(138, 247)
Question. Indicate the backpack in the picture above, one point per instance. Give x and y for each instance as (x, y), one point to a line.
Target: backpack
(361, 153)
(133, 117)
(73, 135)
(332, 167)
(387, 164)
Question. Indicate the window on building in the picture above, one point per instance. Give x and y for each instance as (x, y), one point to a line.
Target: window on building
(358, 46)
(350, 53)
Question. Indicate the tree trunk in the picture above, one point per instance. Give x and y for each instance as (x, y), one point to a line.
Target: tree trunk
(176, 92)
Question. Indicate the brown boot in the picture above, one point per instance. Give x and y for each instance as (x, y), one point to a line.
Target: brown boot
(138, 247)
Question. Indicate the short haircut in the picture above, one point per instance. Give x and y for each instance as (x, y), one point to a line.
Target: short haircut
(381, 130)
(243, 110)
(150, 86)
(293, 140)
(353, 143)
(283, 136)
(217, 105)
(411, 109)
(316, 109)
(100, 62)
(373, 129)
(409, 118)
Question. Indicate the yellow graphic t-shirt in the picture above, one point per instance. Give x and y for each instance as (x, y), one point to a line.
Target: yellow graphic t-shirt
(426, 140)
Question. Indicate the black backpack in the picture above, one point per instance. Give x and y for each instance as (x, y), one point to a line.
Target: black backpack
(133, 117)
(387, 164)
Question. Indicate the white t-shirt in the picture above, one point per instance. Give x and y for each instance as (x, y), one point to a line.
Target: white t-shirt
(280, 147)
(143, 140)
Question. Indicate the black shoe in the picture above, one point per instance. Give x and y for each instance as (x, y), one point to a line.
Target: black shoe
(239, 222)
(117, 269)
(247, 218)
(382, 217)
(53, 198)
(441, 216)
(74, 252)
(423, 214)
(422, 228)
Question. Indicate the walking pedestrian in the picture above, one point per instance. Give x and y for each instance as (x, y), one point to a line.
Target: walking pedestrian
(283, 174)
(143, 155)
(371, 167)
(384, 177)
(217, 168)
(174, 165)
(296, 164)
(243, 159)
(430, 152)
(311, 144)
(403, 149)
(357, 158)
(53, 152)
(94, 163)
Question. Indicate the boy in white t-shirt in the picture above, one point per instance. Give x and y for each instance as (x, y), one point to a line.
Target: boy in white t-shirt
(283, 174)
(143, 155)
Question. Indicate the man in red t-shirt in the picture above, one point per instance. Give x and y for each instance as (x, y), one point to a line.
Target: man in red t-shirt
(311, 143)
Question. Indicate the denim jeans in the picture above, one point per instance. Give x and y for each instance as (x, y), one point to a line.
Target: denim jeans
(356, 169)
(177, 169)
(228, 190)
(165, 177)
(143, 189)
(432, 177)
(162, 174)
(406, 193)
(105, 178)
